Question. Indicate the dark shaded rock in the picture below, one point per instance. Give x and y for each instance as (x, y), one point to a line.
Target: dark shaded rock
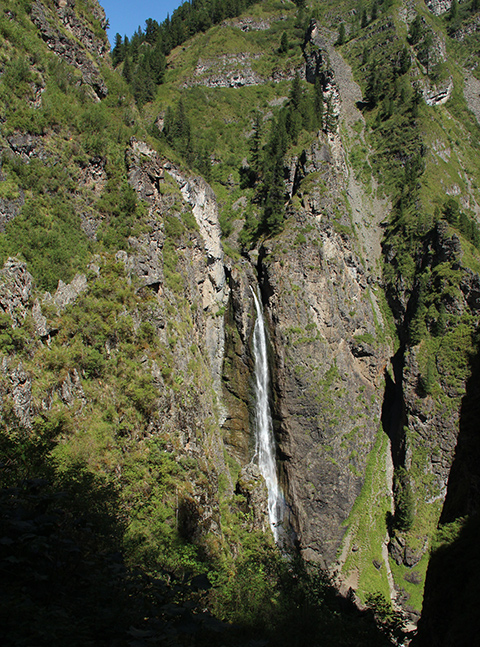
(413, 577)
(9, 209)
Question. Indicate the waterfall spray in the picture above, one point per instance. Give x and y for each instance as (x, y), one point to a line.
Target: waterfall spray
(264, 440)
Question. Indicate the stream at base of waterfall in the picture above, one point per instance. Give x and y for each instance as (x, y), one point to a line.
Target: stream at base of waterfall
(265, 452)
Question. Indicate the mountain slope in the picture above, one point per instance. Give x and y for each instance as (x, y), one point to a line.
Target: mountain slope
(340, 176)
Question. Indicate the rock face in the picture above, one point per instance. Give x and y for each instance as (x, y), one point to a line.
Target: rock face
(198, 194)
(327, 361)
(439, 7)
(207, 275)
(68, 48)
(15, 290)
(433, 418)
(235, 71)
(327, 373)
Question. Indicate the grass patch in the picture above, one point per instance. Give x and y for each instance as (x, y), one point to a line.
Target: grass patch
(367, 524)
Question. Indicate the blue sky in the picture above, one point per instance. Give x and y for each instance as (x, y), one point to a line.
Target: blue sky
(125, 16)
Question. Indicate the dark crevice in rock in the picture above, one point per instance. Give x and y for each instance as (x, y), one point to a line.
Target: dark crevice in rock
(393, 409)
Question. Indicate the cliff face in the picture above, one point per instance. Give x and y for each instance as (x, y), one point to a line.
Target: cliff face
(329, 362)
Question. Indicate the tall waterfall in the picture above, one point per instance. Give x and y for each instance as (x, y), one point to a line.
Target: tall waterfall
(264, 440)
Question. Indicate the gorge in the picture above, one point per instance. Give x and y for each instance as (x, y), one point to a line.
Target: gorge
(239, 311)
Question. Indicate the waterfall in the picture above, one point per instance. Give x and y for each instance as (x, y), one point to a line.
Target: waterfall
(264, 440)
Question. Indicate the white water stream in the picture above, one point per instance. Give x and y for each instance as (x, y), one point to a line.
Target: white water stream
(264, 440)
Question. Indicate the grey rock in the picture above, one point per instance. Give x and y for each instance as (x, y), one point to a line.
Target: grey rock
(67, 293)
(9, 209)
(20, 391)
(40, 320)
(15, 290)
(71, 389)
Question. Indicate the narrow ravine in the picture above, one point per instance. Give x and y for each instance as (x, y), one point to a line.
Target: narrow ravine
(265, 453)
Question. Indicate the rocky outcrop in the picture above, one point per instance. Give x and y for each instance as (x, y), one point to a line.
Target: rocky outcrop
(213, 287)
(73, 50)
(238, 362)
(251, 486)
(76, 23)
(470, 27)
(26, 146)
(236, 71)
(439, 7)
(17, 384)
(15, 290)
(67, 293)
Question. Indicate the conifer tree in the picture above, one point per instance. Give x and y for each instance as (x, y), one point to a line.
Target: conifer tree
(341, 34)
(296, 93)
(364, 21)
(405, 61)
(118, 51)
(415, 31)
(283, 49)
(126, 72)
(255, 145)
(453, 11)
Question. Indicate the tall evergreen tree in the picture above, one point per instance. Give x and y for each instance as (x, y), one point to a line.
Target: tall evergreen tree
(255, 144)
(118, 51)
(453, 11)
(126, 72)
(283, 49)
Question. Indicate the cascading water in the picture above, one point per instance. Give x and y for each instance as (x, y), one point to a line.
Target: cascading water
(264, 440)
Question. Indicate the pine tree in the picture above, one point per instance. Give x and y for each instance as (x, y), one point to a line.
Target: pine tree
(283, 49)
(126, 72)
(416, 30)
(364, 21)
(296, 93)
(341, 34)
(255, 145)
(453, 11)
(118, 51)
(405, 61)
(374, 12)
